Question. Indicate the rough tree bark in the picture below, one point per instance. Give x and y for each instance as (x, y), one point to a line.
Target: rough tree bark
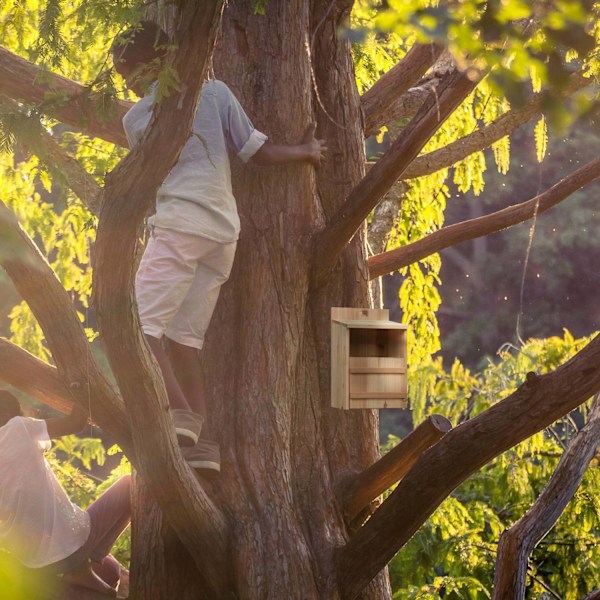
(57, 160)
(52, 306)
(287, 457)
(71, 102)
(540, 401)
(283, 447)
(359, 490)
(33, 376)
(452, 91)
(128, 194)
(376, 102)
(517, 542)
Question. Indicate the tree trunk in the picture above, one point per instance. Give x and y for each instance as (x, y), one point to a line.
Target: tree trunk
(274, 519)
(266, 355)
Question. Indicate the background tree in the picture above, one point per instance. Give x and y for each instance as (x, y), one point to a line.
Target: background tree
(277, 521)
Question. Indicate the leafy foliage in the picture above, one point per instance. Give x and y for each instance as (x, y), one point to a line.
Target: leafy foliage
(72, 38)
(510, 37)
(523, 48)
(51, 214)
(453, 555)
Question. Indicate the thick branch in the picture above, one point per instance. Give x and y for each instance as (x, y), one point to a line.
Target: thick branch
(129, 190)
(408, 105)
(387, 262)
(517, 542)
(595, 595)
(364, 197)
(393, 466)
(460, 453)
(61, 98)
(486, 136)
(50, 303)
(376, 101)
(33, 376)
(54, 156)
(385, 215)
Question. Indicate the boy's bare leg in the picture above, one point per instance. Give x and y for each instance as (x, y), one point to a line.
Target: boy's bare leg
(186, 366)
(177, 398)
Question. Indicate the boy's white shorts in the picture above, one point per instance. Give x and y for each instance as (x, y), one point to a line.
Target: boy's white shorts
(178, 282)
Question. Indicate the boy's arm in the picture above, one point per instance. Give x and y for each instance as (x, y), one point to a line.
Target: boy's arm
(310, 150)
(73, 423)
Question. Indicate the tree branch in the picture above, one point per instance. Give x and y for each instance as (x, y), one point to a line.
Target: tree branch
(595, 595)
(364, 197)
(546, 586)
(387, 262)
(540, 401)
(486, 136)
(61, 98)
(192, 515)
(393, 466)
(407, 105)
(33, 376)
(376, 101)
(385, 215)
(517, 542)
(54, 156)
(50, 303)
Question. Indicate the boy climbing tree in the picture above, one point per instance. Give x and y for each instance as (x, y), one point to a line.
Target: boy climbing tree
(39, 525)
(194, 232)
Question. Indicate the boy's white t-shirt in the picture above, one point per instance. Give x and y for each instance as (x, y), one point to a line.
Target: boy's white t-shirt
(39, 525)
(196, 196)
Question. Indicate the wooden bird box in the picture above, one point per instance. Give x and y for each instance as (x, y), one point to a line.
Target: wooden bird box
(368, 359)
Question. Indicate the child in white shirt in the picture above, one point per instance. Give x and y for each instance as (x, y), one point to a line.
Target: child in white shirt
(195, 228)
(39, 525)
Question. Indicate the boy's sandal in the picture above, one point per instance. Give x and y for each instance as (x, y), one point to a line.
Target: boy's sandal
(188, 426)
(204, 456)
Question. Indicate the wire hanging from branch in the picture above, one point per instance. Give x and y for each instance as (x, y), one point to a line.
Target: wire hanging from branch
(527, 255)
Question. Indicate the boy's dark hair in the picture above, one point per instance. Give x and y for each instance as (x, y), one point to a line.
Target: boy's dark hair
(141, 44)
(9, 407)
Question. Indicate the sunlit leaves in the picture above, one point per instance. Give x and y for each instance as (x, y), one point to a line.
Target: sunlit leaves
(51, 44)
(541, 139)
(468, 174)
(63, 230)
(374, 53)
(421, 212)
(73, 39)
(168, 81)
(497, 33)
(26, 332)
(501, 150)
(19, 583)
(453, 555)
(523, 47)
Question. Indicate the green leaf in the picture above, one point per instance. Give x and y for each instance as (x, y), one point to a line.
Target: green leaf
(541, 139)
